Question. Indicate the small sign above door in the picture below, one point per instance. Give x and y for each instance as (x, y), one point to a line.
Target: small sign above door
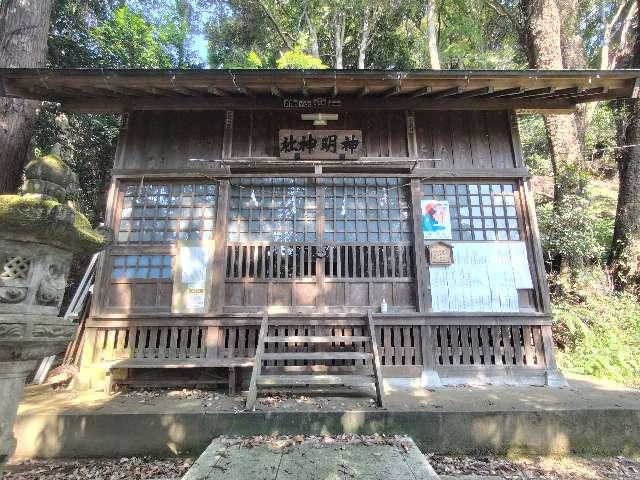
(321, 144)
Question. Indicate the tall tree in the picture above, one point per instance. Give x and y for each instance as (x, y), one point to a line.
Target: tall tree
(431, 17)
(544, 30)
(625, 250)
(24, 27)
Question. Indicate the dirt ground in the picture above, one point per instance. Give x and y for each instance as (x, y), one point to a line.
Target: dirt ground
(539, 468)
(525, 468)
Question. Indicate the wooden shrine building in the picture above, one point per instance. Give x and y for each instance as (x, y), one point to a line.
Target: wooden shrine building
(325, 200)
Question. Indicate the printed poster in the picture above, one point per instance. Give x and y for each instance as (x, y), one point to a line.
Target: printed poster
(436, 219)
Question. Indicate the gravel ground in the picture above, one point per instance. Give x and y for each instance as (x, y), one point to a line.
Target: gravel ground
(539, 468)
(133, 468)
(526, 468)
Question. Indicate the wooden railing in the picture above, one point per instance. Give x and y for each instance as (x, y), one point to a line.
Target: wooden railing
(400, 345)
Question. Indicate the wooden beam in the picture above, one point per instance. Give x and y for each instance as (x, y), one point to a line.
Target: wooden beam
(274, 103)
(531, 93)
(246, 91)
(474, 93)
(566, 92)
(216, 91)
(275, 91)
(447, 92)
(503, 93)
(391, 92)
(161, 92)
(189, 92)
(422, 91)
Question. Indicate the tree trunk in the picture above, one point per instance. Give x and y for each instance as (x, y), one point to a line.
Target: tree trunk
(24, 28)
(338, 38)
(545, 27)
(624, 257)
(364, 36)
(313, 36)
(573, 54)
(432, 34)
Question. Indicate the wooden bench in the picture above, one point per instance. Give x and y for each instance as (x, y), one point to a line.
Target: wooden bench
(146, 363)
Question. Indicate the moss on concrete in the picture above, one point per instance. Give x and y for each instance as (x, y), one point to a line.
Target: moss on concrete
(44, 220)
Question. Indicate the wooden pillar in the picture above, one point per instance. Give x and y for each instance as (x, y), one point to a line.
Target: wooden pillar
(320, 283)
(219, 254)
(423, 295)
(430, 377)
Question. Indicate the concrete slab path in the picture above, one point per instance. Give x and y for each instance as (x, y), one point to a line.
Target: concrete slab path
(285, 460)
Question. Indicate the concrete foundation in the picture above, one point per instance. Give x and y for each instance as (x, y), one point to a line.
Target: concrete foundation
(590, 417)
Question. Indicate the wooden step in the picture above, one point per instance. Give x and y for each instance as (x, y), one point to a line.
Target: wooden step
(317, 339)
(317, 356)
(353, 380)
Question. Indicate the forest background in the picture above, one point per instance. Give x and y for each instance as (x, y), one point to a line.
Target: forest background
(585, 165)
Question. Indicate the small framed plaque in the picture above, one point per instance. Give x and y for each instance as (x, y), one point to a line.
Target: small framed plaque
(440, 253)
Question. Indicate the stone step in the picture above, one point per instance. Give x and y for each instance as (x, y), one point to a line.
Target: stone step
(317, 356)
(351, 380)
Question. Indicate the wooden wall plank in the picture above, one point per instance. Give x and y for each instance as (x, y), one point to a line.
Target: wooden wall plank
(170, 139)
(442, 147)
(500, 139)
(479, 140)
(461, 140)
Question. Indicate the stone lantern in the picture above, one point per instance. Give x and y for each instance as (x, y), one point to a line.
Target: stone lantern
(40, 231)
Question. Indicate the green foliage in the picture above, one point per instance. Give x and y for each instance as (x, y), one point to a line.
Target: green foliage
(126, 40)
(569, 228)
(535, 144)
(600, 334)
(298, 59)
(602, 134)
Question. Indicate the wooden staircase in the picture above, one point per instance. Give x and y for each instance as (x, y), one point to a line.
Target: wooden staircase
(288, 378)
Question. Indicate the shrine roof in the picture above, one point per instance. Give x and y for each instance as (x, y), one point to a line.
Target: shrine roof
(115, 90)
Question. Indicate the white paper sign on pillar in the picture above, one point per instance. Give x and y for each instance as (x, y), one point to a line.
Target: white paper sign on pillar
(191, 280)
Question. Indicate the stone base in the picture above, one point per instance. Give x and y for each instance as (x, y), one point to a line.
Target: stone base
(430, 379)
(554, 378)
(12, 378)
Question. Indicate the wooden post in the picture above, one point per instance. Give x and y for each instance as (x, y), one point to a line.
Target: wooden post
(423, 295)
(535, 246)
(320, 295)
(377, 368)
(554, 376)
(430, 377)
(412, 143)
(257, 365)
(219, 254)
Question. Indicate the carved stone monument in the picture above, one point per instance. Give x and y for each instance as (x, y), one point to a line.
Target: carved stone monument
(40, 231)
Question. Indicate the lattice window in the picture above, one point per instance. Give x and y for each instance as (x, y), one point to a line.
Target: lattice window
(272, 210)
(478, 211)
(268, 261)
(166, 212)
(142, 267)
(369, 261)
(15, 267)
(367, 210)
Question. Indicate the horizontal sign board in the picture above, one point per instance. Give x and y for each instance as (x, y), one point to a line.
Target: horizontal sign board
(320, 144)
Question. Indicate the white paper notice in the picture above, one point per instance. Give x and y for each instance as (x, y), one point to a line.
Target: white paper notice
(484, 277)
(520, 265)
